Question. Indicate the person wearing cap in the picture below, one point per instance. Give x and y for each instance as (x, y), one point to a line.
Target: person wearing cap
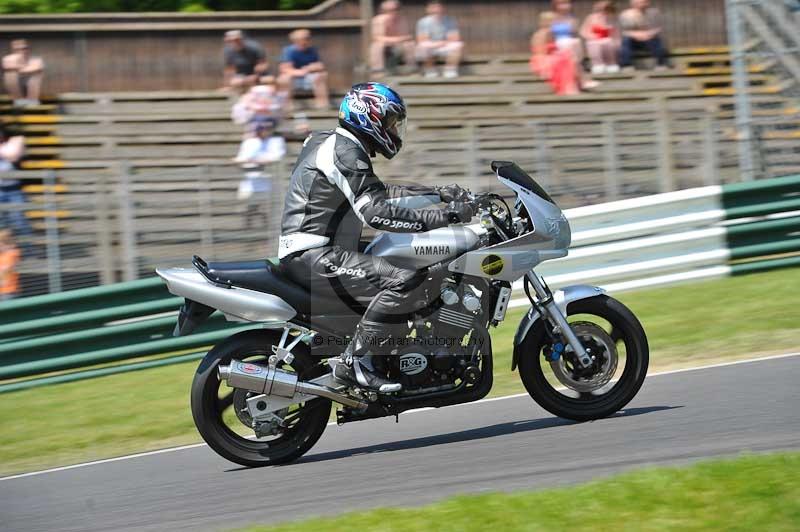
(245, 61)
(22, 74)
(262, 149)
(264, 146)
(302, 69)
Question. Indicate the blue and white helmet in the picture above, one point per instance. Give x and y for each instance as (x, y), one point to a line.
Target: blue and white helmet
(375, 113)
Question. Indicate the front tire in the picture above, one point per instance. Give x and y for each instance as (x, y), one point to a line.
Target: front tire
(208, 408)
(577, 404)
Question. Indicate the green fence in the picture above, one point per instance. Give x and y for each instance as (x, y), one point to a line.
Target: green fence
(763, 224)
(77, 334)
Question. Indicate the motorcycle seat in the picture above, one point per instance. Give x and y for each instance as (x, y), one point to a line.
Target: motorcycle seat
(263, 276)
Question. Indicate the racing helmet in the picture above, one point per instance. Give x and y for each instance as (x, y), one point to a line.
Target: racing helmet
(376, 114)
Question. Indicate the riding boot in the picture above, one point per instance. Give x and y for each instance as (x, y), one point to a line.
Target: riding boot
(355, 365)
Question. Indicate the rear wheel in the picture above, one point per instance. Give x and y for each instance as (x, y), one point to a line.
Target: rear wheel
(617, 343)
(221, 415)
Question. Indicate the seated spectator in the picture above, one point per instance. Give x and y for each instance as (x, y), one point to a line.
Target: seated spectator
(565, 35)
(11, 151)
(265, 147)
(390, 36)
(261, 101)
(438, 37)
(9, 258)
(23, 74)
(641, 30)
(602, 38)
(245, 62)
(555, 65)
(302, 69)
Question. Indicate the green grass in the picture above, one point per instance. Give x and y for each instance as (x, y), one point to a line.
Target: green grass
(745, 494)
(738, 317)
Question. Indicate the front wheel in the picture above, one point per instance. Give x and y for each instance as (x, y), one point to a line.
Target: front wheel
(617, 343)
(221, 415)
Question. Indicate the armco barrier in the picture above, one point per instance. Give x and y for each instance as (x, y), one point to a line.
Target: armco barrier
(95, 326)
(667, 238)
(60, 305)
(679, 236)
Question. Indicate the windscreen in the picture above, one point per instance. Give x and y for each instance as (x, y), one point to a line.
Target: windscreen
(512, 172)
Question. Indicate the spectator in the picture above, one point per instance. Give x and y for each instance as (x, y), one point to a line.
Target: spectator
(9, 258)
(263, 148)
(602, 38)
(261, 101)
(23, 74)
(245, 62)
(565, 35)
(11, 151)
(390, 35)
(302, 69)
(555, 65)
(641, 29)
(438, 37)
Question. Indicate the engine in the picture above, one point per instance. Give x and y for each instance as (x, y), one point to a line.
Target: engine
(421, 369)
(438, 356)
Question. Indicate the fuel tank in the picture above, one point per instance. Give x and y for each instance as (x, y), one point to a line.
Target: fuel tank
(418, 250)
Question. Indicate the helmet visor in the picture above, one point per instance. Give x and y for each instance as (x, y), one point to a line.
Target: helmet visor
(397, 128)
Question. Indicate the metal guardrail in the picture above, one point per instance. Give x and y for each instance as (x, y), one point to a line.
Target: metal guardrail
(692, 234)
(697, 233)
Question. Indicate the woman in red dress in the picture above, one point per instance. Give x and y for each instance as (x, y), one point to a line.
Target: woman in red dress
(548, 61)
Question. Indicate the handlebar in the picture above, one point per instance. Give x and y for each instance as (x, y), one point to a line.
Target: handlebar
(489, 204)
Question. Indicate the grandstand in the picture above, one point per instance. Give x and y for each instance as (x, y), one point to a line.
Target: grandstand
(127, 180)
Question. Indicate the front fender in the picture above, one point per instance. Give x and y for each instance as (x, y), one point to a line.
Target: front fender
(562, 299)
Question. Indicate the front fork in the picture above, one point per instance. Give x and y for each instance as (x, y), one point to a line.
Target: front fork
(548, 307)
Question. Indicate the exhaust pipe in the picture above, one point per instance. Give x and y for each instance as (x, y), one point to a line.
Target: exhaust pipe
(274, 381)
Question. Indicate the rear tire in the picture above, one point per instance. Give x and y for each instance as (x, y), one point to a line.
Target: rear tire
(586, 407)
(207, 410)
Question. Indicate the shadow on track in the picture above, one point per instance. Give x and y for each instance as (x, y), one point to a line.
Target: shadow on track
(501, 429)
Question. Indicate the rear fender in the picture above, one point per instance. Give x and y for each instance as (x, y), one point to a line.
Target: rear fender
(562, 298)
(238, 304)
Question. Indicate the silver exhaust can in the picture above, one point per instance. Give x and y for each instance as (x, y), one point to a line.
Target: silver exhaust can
(258, 378)
(273, 381)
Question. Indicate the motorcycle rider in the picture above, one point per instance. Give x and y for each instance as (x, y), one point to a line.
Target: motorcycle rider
(333, 193)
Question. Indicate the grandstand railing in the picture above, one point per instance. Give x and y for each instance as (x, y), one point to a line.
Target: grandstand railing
(680, 236)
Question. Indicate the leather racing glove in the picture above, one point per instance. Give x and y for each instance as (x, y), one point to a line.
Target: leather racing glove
(459, 212)
(451, 193)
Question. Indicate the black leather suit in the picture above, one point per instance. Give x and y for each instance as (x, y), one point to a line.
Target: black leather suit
(333, 194)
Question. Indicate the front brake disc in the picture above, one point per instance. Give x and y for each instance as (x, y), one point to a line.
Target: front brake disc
(603, 351)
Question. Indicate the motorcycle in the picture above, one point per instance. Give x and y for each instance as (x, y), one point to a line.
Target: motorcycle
(264, 396)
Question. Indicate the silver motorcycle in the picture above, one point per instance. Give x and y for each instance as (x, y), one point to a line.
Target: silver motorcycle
(263, 396)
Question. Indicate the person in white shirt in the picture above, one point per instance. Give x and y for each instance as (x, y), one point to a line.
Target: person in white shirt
(438, 36)
(263, 149)
(264, 146)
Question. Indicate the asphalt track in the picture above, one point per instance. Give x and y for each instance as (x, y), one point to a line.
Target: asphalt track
(503, 444)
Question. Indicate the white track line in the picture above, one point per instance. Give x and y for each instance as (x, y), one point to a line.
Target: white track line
(489, 400)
